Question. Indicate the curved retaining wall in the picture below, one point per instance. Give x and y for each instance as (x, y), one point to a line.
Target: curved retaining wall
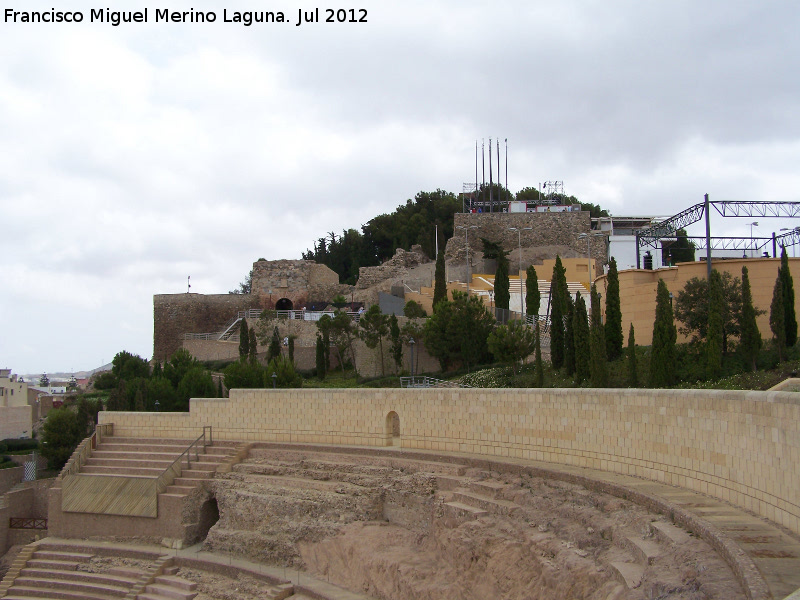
(742, 447)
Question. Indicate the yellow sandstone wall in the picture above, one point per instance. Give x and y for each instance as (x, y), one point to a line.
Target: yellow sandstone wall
(742, 447)
(637, 290)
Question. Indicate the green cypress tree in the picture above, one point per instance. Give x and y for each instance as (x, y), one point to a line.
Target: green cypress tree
(502, 295)
(597, 344)
(714, 331)
(750, 341)
(580, 328)
(538, 360)
(244, 340)
(777, 316)
(633, 373)
(613, 325)
(220, 393)
(440, 282)
(291, 349)
(533, 298)
(397, 342)
(790, 318)
(253, 345)
(569, 337)
(556, 326)
(320, 356)
(274, 349)
(662, 355)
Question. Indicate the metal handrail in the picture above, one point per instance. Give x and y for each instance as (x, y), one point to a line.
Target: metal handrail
(175, 469)
(424, 381)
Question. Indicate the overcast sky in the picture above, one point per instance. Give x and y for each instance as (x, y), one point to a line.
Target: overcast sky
(137, 155)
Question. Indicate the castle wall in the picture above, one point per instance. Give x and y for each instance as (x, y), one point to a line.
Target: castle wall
(741, 447)
(176, 314)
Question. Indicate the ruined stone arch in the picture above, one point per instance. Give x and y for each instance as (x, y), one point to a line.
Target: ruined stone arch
(284, 304)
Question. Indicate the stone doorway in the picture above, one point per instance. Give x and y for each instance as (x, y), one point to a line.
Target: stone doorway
(392, 429)
(284, 304)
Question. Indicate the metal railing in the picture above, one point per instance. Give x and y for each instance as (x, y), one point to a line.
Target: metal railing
(26, 523)
(175, 469)
(423, 381)
(226, 334)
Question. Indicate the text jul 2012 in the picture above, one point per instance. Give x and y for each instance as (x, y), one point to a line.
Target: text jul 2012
(163, 15)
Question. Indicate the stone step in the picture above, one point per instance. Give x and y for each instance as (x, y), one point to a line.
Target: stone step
(169, 591)
(63, 593)
(448, 483)
(184, 490)
(87, 585)
(492, 489)
(109, 578)
(628, 573)
(501, 507)
(122, 463)
(669, 533)
(129, 572)
(195, 474)
(288, 482)
(60, 555)
(178, 582)
(461, 510)
(59, 565)
(136, 471)
(127, 454)
(191, 482)
(644, 550)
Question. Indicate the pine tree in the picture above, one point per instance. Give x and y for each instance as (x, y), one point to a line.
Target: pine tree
(244, 340)
(440, 283)
(538, 359)
(597, 344)
(502, 295)
(613, 325)
(533, 298)
(633, 373)
(662, 355)
(790, 318)
(558, 304)
(253, 345)
(274, 349)
(750, 341)
(714, 331)
(777, 316)
(580, 328)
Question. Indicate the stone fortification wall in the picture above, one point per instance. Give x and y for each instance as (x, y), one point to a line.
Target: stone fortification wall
(176, 314)
(738, 446)
(554, 233)
(299, 281)
(396, 268)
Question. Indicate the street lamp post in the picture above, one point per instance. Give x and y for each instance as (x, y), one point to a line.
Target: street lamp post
(466, 229)
(519, 245)
(274, 379)
(754, 223)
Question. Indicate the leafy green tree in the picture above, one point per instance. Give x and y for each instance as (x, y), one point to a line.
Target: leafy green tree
(86, 415)
(244, 340)
(197, 383)
(291, 348)
(633, 372)
(286, 375)
(512, 343)
(412, 330)
(790, 318)
(244, 375)
(274, 349)
(159, 389)
(220, 391)
(413, 310)
(44, 380)
(458, 331)
(105, 381)
(502, 295)
(777, 318)
(662, 354)
(343, 335)
(373, 327)
(324, 325)
(252, 345)
(61, 434)
(126, 366)
(750, 343)
(397, 342)
(178, 365)
(580, 332)
(597, 344)
(613, 324)
(539, 367)
(246, 286)
(681, 250)
(440, 283)
(714, 337)
(529, 194)
(691, 308)
(533, 298)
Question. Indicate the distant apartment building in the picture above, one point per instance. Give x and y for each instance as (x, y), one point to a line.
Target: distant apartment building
(16, 417)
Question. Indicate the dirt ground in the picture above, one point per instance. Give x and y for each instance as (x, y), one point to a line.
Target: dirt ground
(400, 530)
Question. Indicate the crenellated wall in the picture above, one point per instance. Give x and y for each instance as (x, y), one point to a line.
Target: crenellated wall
(742, 447)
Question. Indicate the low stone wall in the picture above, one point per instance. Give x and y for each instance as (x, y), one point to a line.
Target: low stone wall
(741, 447)
(10, 477)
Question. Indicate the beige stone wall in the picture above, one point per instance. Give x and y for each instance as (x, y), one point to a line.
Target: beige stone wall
(15, 421)
(742, 447)
(638, 290)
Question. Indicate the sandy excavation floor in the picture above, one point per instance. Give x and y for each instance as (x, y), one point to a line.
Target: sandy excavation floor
(409, 529)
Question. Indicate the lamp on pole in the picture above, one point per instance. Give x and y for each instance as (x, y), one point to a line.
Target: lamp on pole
(519, 245)
(753, 224)
(274, 379)
(466, 229)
